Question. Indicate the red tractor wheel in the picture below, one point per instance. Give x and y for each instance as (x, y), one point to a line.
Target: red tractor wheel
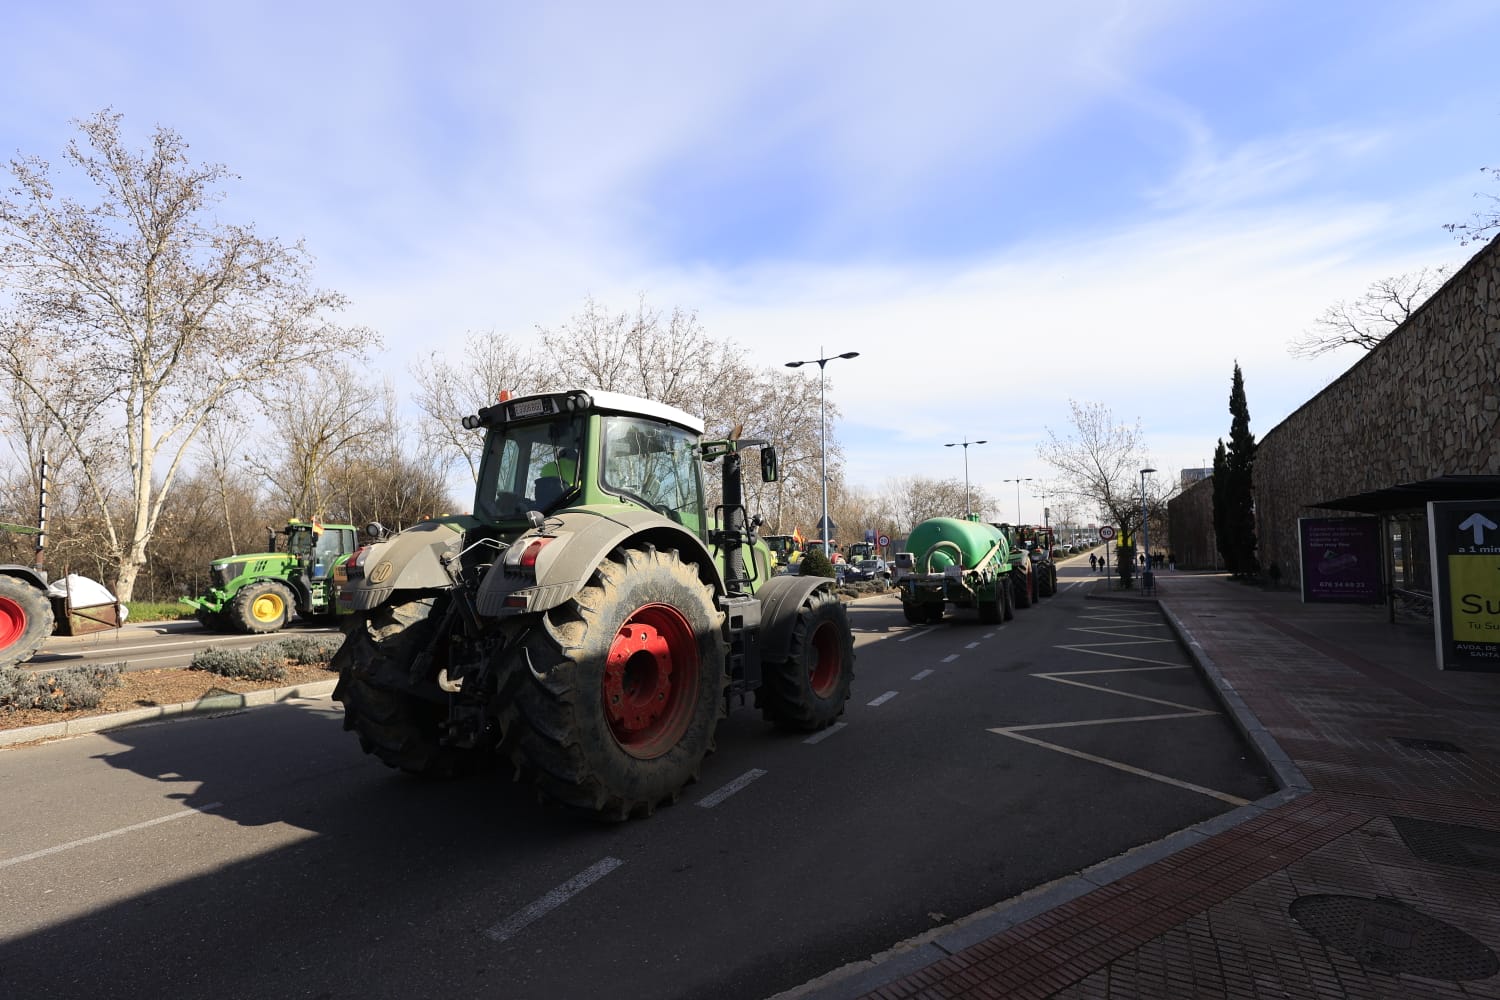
(25, 620)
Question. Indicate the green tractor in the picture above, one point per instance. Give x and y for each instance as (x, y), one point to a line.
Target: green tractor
(262, 591)
(590, 623)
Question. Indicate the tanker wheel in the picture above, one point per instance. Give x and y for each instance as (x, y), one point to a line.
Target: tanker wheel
(916, 614)
(808, 690)
(993, 612)
(626, 688)
(25, 620)
(1007, 601)
(263, 606)
(1021, 594)
(399, 728)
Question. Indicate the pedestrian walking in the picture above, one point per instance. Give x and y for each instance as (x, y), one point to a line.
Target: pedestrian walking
(1093, 563)
(1171, 561)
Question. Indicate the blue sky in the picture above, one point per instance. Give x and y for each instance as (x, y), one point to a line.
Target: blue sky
(1000, 206)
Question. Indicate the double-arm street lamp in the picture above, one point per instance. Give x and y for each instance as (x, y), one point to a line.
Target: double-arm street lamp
(1018, 483)
(964, 444)
(1145, 524)
(822, 363)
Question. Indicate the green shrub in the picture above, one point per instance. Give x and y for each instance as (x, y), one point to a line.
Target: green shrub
(310, 650)
(156, 611)
(255, 663)
(815, 563)
(57, 690)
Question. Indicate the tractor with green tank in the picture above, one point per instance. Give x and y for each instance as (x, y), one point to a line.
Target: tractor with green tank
(963, 563)
(591, 621)
(264, 591)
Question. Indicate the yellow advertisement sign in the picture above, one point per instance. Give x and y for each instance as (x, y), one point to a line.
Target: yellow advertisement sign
(1474, 597)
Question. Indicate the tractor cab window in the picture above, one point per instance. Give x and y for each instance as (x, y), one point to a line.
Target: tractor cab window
(653, 464)
(531, 466)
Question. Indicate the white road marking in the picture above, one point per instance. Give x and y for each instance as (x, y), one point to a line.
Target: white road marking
(882, 699)
(988, 635)
(552, 900)
(972, 645)
(1195, 714)
(920, 631)
(921, 674)
(822, 735)
(714, 798)
(950, 657)
(1234, 800)
(112, 833)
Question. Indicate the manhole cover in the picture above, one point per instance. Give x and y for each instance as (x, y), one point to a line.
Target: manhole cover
(1439, 746)
(1450, 844)
(1386, 935)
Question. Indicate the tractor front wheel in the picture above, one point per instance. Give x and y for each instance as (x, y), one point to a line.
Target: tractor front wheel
(264, 606)
(808, 690)
(398, 727)
(626, 688)
(25, 620)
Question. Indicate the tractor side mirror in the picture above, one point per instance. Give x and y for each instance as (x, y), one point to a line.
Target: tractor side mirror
(768, 464)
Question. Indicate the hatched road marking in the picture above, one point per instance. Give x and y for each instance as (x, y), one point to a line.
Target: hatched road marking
(1119, 621)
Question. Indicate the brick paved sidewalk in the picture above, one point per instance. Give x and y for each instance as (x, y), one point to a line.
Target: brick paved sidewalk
(1385, 840)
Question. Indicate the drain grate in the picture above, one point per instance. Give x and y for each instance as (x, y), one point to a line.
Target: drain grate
(1388, 936)
(1450, 844)
(1439, 746)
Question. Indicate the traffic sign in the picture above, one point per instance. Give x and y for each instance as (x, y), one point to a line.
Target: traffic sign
(1106, 532)
(885, 540)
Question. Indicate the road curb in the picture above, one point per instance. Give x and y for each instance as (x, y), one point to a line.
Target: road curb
(214, 703)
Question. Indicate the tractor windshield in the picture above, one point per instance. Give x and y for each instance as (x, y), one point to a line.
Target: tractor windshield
(531, 466)
(654, 464)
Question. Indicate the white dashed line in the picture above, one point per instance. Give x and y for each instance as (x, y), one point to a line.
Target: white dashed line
(819, 737)
(922, 674)
(988, 635)
(572, 887)
(714, 798)
(950, 657)
(882, 699)
(112, 833)
(909, 638)
(972, 645)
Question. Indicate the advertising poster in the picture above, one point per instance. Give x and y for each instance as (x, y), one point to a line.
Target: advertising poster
(1341, 559)
(1465, 540)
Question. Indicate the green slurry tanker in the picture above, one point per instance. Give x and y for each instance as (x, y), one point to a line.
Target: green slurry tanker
(963, 563)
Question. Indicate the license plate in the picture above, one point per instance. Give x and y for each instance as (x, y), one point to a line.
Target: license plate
(528, 408)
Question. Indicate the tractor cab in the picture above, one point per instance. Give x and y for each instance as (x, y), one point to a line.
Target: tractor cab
(318, 547)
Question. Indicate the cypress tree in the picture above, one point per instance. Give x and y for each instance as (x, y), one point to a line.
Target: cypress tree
(1239, 496)
(1221, 502)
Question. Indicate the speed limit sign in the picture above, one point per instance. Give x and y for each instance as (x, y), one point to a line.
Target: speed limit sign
(1106, 532)
(885, 540)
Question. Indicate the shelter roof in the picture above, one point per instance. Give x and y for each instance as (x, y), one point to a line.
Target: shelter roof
(1415, 496)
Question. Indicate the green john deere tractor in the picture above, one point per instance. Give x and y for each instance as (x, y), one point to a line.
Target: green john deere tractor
(262, 591)
(590, 623)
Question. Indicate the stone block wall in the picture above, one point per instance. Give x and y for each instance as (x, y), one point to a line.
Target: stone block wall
(1190, 525)
(1425, 402)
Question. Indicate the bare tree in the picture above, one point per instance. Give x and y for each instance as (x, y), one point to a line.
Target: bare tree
(447, 391)
(914, 499)
(1485, 221)
(316, 419)
(1098, 463)
(1369, 319)
(151, 312)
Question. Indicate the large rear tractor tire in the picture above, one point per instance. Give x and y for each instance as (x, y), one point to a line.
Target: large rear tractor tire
(1021, 589)
(626, 690)
(399, 728)
(25, 620)
(263, 606)
(808, 691)
(1046, 581)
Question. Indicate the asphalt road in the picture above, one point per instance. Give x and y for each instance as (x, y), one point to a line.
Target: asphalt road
(263, 855)
(149, 645)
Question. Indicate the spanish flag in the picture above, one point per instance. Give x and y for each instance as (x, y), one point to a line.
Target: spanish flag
(797, 535)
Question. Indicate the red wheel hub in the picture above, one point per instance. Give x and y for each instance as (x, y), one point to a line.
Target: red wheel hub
(651, 681)
(823, 674)
(12, 622)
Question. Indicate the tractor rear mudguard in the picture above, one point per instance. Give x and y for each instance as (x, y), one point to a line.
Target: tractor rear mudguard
(412, 560)
(781, 598)
(574, 543)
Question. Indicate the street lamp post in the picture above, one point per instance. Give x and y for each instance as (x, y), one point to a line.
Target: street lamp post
(822, 362)
(964, 444)
(1018, 483)
(1148, 576)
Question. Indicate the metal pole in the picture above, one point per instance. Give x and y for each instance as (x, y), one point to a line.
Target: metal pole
(823, 446)
(1145, 526)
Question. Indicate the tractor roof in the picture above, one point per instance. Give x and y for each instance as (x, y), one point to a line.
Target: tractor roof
(619, 402)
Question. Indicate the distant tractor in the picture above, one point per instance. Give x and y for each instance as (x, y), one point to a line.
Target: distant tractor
(963, 563)
(263, 591)
(592, 620)
(786, 550)
(30, 612)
